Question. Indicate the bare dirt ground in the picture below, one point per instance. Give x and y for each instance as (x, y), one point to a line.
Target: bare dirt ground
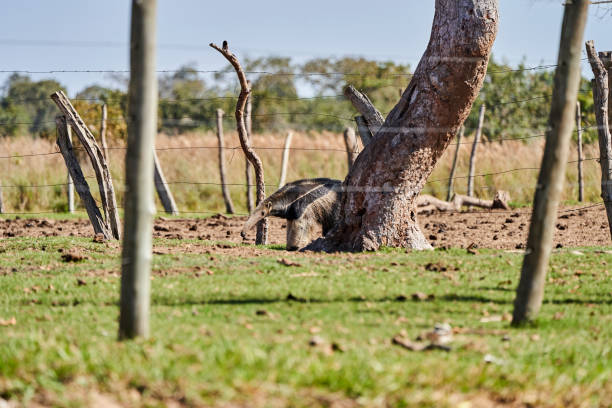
(485, 229)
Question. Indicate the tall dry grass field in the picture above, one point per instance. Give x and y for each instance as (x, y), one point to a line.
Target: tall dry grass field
(37, 183)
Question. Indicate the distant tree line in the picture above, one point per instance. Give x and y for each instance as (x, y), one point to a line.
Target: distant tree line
(517, 98)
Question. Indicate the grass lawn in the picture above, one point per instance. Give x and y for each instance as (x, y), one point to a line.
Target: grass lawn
(231, 327)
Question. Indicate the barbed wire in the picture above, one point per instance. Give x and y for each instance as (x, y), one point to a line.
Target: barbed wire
(268, 73)
(322, 149)
(161, 212)
(172, 182)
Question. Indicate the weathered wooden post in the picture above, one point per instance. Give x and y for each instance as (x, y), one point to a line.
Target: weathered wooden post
(351, 146)
(64, 143)
(229, 206)
(602, 65)
(470, 189)
(580, 157)
(249, 174)
(103, 176)
(139, 206)
(70, 184)
(103, 132)
(530, 290)
(161, 186)
(451, 178)
(285, 161)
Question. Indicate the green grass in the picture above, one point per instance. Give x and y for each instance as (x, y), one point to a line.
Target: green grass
(241, 334)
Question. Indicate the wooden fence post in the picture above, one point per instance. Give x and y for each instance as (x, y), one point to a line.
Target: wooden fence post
(229, 206)
(602, 66)
(249, 174)
(70, 185)
(103, 132)
(72, 164)
(451, 179)
(351, 146)
(285, 161)
(470, 189)
(580, 157)
(161, 186)
(87, 139)
(139, 206)
(530, 290)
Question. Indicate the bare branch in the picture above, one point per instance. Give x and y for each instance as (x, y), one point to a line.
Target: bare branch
(245, 142)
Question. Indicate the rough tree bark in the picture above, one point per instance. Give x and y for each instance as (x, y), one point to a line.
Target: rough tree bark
(377, 208)
(601, 95)
(245, 142)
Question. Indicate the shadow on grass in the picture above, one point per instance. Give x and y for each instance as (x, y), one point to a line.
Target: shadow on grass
(393, 299)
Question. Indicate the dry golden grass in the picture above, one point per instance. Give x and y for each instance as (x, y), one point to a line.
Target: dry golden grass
(191, 168)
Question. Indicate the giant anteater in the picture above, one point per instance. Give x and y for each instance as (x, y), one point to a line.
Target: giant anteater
(304, 204)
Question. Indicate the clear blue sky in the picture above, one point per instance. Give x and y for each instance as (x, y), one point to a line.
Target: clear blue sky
(33, 30)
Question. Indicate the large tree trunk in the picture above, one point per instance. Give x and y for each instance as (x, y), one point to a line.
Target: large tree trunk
(378, 204)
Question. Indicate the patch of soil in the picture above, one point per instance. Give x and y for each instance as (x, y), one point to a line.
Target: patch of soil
(483, 229)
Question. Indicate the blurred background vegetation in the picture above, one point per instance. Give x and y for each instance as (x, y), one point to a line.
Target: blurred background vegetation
(303, 97)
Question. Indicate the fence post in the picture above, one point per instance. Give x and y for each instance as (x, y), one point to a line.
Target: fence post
(285, 161)
(530, 290)
(229, 206)
(142, 127)
(470, 189)
(103, 132)
(161, 186)
(351, 146)
(580, 157)
(451, 179)
(70, 185)
(601, 66)
(249, 174)
(1, 202)
(87, 139)
(72, 164)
